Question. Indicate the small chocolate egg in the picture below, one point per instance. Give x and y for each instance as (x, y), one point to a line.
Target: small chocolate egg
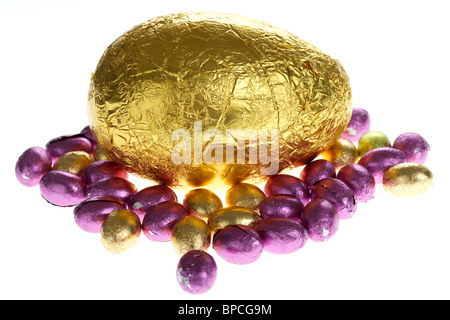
(102, 169)
(282, 235)
(245, 195)
(190, 233)
(341, 153)
(407, 179)
(90, 214)
(359, 179)
(120, 231)
(233, 215)
(238, 244)
(321, 219)
(101, 154)
(74, 162)
(372, 140)
(200, 175)
(62, 188)
(202, 202)
(115, 186)
(150, 196)
(63, 144)
(287, 184)
(358, 125)
(160, 220)
(86, 131)
(413, 145)
(317, 170)
(281, 205)
(338, 193)
(196, 272)
(377, 161)
(32, 165)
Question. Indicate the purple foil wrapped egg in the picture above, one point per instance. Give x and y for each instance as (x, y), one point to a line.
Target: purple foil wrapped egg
(63, 144)
(316, 171)
(413, 145)
(117, 187)
(160, 219)
(281, 205)
(150, 196)
(321, 219)
(238, 244)
(378, 160)
(196, 272)
(102, 169)
(359, 179)
(90, 214)
(86, 131)
(287, 184)
(358, 125)
(32, 165)
(62, 188)
(338, 193)
(282, 235)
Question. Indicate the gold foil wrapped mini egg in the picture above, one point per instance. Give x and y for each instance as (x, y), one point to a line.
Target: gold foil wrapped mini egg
(372, 140)
(74, 162)
(233, 215)
(161, 80)
(202, 202)
(120, 231)
(245, 195)
(200, 175)
(101, 154)
(341, 153)
(190, 233)
(407, 179)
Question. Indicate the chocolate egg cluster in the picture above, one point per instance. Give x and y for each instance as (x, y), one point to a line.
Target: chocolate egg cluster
(278, 218)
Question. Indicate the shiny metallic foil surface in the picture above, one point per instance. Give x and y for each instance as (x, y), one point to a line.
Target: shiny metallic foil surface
(407, 179)
(229, 72)
(190, 233)
(120, 231)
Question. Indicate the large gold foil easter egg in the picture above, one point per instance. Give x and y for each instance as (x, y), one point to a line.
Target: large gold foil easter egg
(175, 84)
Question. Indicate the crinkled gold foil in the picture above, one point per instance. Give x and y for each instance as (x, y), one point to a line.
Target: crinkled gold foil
(245, 195)
(233, 215)
(190, 233)
(120, 231)
(229, 72)
(74, 162)
(407, 179)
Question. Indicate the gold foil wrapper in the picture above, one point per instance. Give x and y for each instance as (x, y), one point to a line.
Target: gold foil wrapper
(229, 72)
(233, 215)
(120, 231)
(202, 202)
(101, 154)
(341, 153)
(190, 233)
(245, 195)
(407, 179)
(74, 162)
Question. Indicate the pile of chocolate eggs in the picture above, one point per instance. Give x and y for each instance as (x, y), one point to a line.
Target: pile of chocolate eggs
(74, 171)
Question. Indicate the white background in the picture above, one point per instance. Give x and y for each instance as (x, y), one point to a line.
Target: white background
(397, 55)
